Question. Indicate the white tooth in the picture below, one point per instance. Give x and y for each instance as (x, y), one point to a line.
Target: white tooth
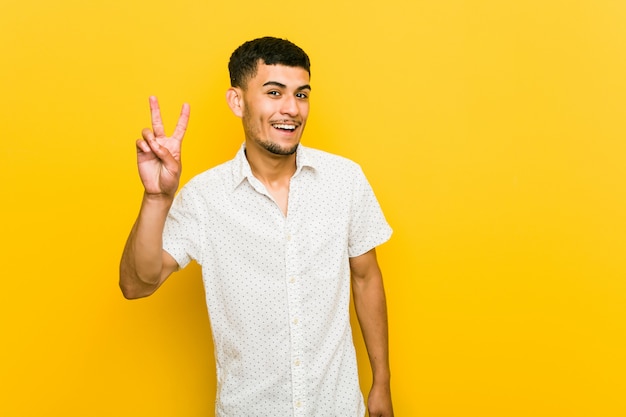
(289, 127)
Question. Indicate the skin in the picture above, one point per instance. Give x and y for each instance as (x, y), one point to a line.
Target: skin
(371, 309)
(275, 97)
(145, 265)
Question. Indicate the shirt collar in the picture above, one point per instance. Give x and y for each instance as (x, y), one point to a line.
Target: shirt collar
(241, 168)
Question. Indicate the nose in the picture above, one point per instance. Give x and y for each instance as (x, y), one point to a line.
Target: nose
(289, 105)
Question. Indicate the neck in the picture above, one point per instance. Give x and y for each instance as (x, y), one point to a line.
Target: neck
(270, 168)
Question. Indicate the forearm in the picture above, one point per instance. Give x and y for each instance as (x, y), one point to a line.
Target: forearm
(371, 309)
(141, 267)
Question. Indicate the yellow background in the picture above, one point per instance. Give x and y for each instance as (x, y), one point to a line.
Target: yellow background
(492, 132)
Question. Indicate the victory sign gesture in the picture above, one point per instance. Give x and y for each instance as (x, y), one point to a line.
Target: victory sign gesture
(158, 156)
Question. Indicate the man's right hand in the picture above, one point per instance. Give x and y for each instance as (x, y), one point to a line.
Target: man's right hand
(158, 156)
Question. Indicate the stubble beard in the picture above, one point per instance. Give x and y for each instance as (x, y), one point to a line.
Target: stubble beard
(277, 149)
(271, 147)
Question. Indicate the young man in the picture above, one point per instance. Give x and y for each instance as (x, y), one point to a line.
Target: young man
(281, 231)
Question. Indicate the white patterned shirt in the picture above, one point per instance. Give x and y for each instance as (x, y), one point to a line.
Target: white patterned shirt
(278, 287)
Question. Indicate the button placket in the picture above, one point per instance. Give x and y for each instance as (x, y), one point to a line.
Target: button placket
(294, 303)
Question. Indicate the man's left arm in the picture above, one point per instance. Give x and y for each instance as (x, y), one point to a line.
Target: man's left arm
(371, 310)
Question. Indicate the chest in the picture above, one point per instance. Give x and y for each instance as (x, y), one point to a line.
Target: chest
(279, 193)
(253, 222)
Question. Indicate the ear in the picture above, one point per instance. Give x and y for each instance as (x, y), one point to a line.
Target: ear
(234, 98)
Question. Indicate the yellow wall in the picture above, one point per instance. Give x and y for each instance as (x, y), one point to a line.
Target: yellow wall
(493, 132)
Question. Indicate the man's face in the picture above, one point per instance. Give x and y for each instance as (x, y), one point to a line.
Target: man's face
(276, 107)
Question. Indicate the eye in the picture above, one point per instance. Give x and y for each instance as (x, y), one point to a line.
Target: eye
(303, 96)
(273, 93)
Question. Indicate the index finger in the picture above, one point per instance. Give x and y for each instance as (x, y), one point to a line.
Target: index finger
(183, 120)
(155, 114)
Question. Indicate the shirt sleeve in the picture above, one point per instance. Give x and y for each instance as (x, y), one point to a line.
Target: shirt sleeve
(368, 226)
(181, 234)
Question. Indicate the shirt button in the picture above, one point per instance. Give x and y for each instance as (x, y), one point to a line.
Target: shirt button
(288, 237)
(292, 280)
(295, 321)
(297, 362)
(298, 404)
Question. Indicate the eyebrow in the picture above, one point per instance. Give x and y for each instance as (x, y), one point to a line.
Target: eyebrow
(281, 85)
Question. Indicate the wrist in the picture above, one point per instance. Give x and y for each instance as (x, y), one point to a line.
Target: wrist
(158, 197)
(157, 202)
(381, 378)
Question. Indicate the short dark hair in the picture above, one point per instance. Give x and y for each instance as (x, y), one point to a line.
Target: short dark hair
(271, 51)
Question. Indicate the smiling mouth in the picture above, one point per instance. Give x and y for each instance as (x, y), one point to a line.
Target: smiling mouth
(284, 127)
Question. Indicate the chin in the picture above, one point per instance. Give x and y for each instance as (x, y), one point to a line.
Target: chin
(280, 150)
